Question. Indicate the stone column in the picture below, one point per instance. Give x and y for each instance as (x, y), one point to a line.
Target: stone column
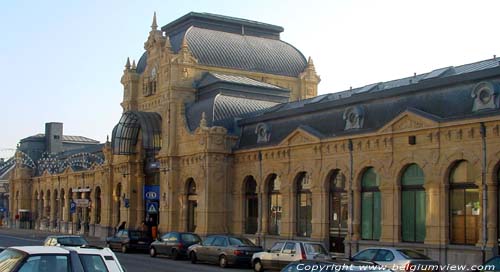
(264, 199)
(65, 212)
(319, 219)
(288, 229)
(85, 215)
(433, 212)
(388, 199)
(52, 214)
(492, 214)
(140, 209)
(356, 216)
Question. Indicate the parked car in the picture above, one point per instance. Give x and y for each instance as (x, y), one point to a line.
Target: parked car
(335, 265)
(492, 264)
(59, 259)
(397, 259)
(174, 244)
(224, 250)
(284, 252)
(126, 240)
(65, 240)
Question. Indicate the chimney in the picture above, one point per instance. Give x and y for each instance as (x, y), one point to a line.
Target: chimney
(53, 137)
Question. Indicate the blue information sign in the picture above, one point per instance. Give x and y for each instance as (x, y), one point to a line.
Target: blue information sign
(152, 207)
(152, 192)
(72, 207)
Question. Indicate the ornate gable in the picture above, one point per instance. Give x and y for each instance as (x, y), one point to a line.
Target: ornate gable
(409, 120)
(301, 135)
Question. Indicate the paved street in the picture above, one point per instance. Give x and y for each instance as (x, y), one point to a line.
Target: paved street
(133, 262)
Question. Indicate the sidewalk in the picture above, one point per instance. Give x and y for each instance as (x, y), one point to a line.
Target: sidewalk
(41, 235)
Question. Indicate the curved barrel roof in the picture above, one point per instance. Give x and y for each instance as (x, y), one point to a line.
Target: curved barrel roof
(216, 41)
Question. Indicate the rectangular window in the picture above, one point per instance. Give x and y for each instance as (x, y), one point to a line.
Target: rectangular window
(252, 214)
(420, 210)
(465, 216)
(370, 215)
(408, 216)
(304, 214)
(275, 215)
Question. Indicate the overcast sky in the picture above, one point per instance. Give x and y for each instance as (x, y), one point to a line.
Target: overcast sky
(62, 60)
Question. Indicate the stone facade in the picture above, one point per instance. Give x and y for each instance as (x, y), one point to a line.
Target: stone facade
(203, 172)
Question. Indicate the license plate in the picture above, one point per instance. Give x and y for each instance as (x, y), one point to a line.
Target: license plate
(141, 243)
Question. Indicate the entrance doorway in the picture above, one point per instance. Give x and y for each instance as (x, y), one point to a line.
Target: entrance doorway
(338, 212)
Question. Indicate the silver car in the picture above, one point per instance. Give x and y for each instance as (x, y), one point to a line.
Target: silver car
(284, 252)
(397, 259)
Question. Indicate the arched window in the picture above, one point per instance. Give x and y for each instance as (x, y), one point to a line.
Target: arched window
(465, 207)
(413, 205)
(338, 211)
(304, 204)
(275, 205)
(371, 205)
(251, 206)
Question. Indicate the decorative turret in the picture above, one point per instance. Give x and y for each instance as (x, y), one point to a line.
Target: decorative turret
(309, 81)
(154, 25)
(127, 64)
(155, 35)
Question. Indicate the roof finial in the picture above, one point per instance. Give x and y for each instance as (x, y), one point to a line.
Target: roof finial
(310, 61)
(127, 64)
(133, 65)
(154, 26)
(167, 42)
(203, 121)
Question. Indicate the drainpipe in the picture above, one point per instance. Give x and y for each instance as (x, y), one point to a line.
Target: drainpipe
(485, 192)
(351, 196)
(259, 197)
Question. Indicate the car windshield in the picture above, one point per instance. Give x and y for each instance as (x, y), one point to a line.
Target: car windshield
(235, 241)
(72, 241)
(315, 249)
(137, 234)
(93, 263)
(10, 258)
(190, 238)
(412, 255)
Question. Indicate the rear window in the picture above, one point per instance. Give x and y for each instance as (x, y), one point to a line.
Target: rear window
(412, 255)
(9, 258)
(93, 263)
(190, 238)
(49, 262)
(240, 241)
(315, 249)
(72, 241)
(137, 234)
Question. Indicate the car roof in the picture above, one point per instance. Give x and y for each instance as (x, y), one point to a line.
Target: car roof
(64, 236)
(41, 249)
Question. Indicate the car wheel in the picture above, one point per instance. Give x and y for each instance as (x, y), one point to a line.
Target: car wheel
(175, 254)
(257, 266)
(193, 257)
(222, 261)
(152, 252)
(124, 249)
